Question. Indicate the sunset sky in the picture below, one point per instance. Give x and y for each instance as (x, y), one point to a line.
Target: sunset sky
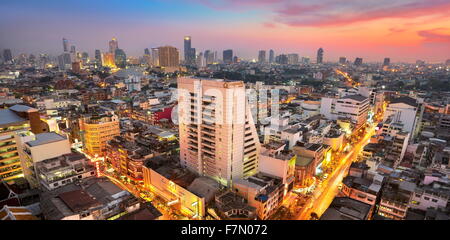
(404, 30)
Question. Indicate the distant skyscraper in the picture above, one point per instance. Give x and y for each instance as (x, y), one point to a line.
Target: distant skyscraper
(447, 62)
(282, 59)
(168, 56)
(271, 56)
(155, 56)
(72, 49)
(342, 60)
(7, 55)
(222, 144)
(305, 60)
(262, 56)
(113, 45)
(358, 61)
(65, 45)
(146, 51)
(209, 57)
(320, 55)
(200, 60)
(191, 55)
(387, 62)
(187, 47)
(64, 61)
(98, 57)
(189, 52)
(120, 58)
(420, 63)
(236, 59)
(228, 56)
(293, 58)
(84, 57)
(108, 60)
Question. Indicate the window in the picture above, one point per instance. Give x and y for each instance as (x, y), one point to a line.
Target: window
(434, 200)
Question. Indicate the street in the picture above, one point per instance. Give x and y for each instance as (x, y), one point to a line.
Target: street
(323, 196)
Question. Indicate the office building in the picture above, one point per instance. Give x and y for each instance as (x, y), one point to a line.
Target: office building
(108, 60)
(320, 56)
(209, 57)
(7, 55)
(120, 58)
(217, 134)
(387, 62)
(228, 56)
(99, 57)
(189, 52)
(342, 60)
(262, 56)
(358, 61)
(282, 59)
(65, 61)
(271, 56)
(293, 58)
(353, 107)
(168, 57)
(155, 57)
(65, 45)
(113, 46)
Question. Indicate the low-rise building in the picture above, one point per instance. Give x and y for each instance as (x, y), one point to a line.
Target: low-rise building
(274, 160)
(395, 198)
(65, 169)
(231, 206)
(344, 208)
(92, 199)
(263, 192)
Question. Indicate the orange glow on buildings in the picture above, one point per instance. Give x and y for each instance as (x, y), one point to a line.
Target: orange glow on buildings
(108, 60)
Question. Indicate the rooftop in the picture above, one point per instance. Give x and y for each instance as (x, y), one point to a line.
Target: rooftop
(22, 108)
(356, 97)
(406, 100)
(78, 200)
(344, 208)
(45, 138)
(8, 117)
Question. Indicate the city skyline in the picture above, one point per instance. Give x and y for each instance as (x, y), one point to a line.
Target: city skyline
(347, 29)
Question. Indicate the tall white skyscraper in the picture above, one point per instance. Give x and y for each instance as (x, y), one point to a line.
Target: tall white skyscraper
(218, 137)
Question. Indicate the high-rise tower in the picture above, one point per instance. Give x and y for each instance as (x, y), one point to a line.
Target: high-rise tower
(113, 45)
(262, 56)
(320, 56)
(218, 136)
(65, 45)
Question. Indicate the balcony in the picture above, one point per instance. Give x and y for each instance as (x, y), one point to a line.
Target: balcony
(209, 144)
(209, 137)
(9, 157)
(7, 139)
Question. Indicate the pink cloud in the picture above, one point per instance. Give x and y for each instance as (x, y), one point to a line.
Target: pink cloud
(269, 25)
(435, 36)
(333, 12)
(349, 12)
